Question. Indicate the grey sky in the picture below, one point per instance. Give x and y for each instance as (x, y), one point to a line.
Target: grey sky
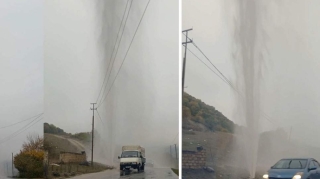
(211, 34)
(289, 89)
(142, 106)
(21, 71)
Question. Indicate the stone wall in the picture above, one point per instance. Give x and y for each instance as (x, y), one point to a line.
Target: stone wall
(69, 157)
(193, 159)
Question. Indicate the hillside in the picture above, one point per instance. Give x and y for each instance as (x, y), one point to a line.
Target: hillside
(199, 116)
(215, 132)
(82, 136)
(57, 143)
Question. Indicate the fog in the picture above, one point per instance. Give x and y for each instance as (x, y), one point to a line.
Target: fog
(142, 105)
(21, 76)
(276, 42)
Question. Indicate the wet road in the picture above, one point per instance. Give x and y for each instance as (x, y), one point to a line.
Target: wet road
(154, 173)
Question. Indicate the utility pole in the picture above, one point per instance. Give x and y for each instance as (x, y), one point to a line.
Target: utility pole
(185, 56)
(92, 131)
(12, 165)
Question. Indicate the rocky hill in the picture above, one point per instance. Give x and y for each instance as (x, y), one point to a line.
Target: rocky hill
(200, 116)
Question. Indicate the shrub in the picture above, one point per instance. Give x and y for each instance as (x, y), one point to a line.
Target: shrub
(29, 163)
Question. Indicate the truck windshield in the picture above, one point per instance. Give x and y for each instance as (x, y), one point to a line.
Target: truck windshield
(128, 154)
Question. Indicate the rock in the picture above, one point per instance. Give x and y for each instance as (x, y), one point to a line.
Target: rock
(208, 169)
(56, 174)
(86, 163)
(73, 174)
(199, 148)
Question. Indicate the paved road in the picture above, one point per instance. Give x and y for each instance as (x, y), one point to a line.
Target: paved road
(154, 173)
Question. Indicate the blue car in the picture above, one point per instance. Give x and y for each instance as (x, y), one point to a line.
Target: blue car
(294, 168)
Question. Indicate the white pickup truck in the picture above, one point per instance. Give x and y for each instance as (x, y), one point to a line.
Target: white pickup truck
(132, 157)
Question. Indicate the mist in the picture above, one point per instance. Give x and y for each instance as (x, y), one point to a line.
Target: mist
(21, 76)
(274, 60)
(141, 107)
(267, 49)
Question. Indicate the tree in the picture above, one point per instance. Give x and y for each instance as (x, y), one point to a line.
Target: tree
(198, 111)
(34, 142)
(52, 129)
(29, 161)
(186, 113)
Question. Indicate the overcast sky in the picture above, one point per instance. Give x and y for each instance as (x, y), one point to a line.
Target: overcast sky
(143, 102)
(60, 57)
(289, 90)
(21, 72)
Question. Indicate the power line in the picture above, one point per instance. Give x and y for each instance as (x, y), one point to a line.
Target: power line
(20, 121)
(213, 65)
(226, 79)
(125, 57)
(115, 45)
(100, 117)
(21, 130)
(115, 55)
(114, 59)
(209, 61)
(206, 65)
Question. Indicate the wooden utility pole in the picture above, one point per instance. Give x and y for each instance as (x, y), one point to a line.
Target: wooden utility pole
(185, 56)
(92, 132)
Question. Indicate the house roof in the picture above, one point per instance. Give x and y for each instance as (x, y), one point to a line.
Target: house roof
(72, 153)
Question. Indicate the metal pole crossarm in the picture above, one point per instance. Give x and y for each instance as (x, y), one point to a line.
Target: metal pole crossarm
(190, 41)
(187, 30)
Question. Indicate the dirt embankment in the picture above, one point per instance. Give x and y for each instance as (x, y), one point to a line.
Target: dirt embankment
(57, 144)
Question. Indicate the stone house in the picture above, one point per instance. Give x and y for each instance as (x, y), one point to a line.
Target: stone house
(71, 157)
(194, 159)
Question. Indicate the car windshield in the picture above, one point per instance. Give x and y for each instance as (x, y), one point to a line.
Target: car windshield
(128, 154)
(290, 164)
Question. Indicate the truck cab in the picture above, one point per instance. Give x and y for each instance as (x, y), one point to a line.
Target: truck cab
(132, 157)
